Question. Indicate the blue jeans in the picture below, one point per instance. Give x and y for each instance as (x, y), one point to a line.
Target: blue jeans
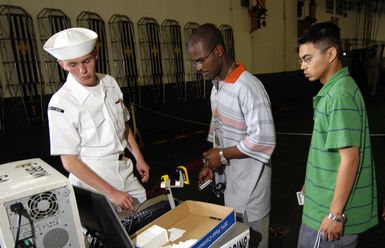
(307, 238)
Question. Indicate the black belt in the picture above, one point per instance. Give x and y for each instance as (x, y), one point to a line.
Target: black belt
(126, 153)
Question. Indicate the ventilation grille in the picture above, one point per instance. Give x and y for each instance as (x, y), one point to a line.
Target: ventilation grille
(56, 238)
(42, 205)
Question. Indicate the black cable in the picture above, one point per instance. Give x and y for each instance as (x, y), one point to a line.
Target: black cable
(97, 239)
(219, 185)
(19, 209)
(133, 215)
(18, 229)
(25, 213)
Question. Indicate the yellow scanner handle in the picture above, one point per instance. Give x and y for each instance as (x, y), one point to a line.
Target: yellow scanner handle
(184, 173)
(165, 178)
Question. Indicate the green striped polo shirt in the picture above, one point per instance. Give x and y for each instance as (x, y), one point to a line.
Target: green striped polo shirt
(340, 120)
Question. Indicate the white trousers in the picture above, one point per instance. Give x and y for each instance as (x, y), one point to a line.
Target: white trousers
(118, 173)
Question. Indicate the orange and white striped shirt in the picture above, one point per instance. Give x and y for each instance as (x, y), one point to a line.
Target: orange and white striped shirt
(241, 117)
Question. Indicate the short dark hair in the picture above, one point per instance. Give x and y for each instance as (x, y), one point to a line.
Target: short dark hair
(323, 35)
(208, 34)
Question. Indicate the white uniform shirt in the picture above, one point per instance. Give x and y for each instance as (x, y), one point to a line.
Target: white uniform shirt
(91, 122)
(80, 121)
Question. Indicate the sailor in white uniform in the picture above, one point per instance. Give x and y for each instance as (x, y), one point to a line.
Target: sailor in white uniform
(88, 123)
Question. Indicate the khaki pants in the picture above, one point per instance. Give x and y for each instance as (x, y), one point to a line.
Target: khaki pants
(262, 227)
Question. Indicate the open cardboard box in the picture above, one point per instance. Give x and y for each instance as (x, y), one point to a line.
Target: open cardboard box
(202, 221)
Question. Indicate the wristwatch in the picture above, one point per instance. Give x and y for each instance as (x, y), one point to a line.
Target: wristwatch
(224, 160)
(333, 217)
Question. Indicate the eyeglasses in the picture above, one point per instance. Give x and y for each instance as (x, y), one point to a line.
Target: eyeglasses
(307, 58)
(201, 60)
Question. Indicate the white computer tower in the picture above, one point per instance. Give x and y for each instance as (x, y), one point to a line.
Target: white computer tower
(51, 218)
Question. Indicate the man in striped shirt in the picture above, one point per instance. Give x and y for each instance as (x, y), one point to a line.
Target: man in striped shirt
(340, 184)
(242, 130)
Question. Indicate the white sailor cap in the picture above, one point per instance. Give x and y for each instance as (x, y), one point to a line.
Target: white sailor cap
(71, 43)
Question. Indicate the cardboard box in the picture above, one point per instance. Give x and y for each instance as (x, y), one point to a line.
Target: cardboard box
(237, 237)
(202, 221)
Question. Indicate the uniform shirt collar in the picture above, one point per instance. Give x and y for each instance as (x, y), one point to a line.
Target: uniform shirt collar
(81, 92)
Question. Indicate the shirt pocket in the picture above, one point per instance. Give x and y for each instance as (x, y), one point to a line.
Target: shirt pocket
(91, 129)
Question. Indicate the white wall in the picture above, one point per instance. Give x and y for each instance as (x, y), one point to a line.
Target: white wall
(267, 50)
(200, 11)
(274, 46)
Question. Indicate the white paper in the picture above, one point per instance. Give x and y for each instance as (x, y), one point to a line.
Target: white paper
(175, 233)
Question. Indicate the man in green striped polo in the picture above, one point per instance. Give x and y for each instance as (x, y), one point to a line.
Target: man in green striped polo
(340, 185)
